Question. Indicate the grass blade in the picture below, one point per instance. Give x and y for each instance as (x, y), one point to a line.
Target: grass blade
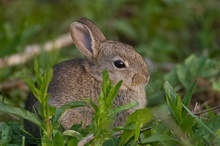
(201, 123)
(187, 98)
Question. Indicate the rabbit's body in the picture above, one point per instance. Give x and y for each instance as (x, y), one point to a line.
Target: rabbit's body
(74, 80)
(69, 86)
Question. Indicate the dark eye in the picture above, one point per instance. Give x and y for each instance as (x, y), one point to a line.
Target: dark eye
(119, 64)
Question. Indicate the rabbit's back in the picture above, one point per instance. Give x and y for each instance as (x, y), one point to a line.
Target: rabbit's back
(72, 82)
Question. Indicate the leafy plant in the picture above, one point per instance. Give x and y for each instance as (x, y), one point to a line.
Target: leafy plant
(182, 127)
(133, 125)
(49, 115)
(11, 134)
(105, 112)
(193, 68)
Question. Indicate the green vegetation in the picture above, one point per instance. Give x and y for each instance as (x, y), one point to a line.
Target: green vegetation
(180, 40)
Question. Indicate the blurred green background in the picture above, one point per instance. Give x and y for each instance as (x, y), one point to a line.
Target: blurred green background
(165, 32)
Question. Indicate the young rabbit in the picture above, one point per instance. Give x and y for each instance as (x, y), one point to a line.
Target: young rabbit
(79, 78)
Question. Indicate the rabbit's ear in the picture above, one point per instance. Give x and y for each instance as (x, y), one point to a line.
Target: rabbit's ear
(87, 37)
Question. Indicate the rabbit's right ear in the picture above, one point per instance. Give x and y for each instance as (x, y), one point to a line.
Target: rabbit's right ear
(87, 37)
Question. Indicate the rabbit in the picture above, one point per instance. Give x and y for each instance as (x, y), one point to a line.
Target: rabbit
(76, 79)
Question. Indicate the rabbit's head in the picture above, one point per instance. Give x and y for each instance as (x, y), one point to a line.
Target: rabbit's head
(120, 60)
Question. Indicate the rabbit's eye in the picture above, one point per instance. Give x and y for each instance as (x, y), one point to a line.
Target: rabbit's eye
(119, 64)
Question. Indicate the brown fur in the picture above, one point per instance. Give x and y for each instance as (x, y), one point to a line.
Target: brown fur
(77, 79)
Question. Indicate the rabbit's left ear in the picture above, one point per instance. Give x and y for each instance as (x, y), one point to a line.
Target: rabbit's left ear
(87, 37)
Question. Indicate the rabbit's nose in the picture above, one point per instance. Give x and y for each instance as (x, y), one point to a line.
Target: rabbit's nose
(146, 77)
(139, 79)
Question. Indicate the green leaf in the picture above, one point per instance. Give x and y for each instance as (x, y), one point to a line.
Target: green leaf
(106, 82)
(94, 106)
(183, 75)
(58, 139)
(32, 87)
(141, 116)
(157, 138)
(202, 124)
(37, 72)
(51, 110)
(171, 94)
(72, 142)
(134, 123)
(122, 108)
(216, 85)
(213, 124)
(113, 92)
(73, 133)
(64, 108)
(45, 141)
(127, 134)
(187, 98)
(21, 113)
(111, 142)
(45, 83)
(192, 68)
(5, 134)
(173, 101)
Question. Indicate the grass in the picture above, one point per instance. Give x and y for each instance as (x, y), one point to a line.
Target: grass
(179, 38)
